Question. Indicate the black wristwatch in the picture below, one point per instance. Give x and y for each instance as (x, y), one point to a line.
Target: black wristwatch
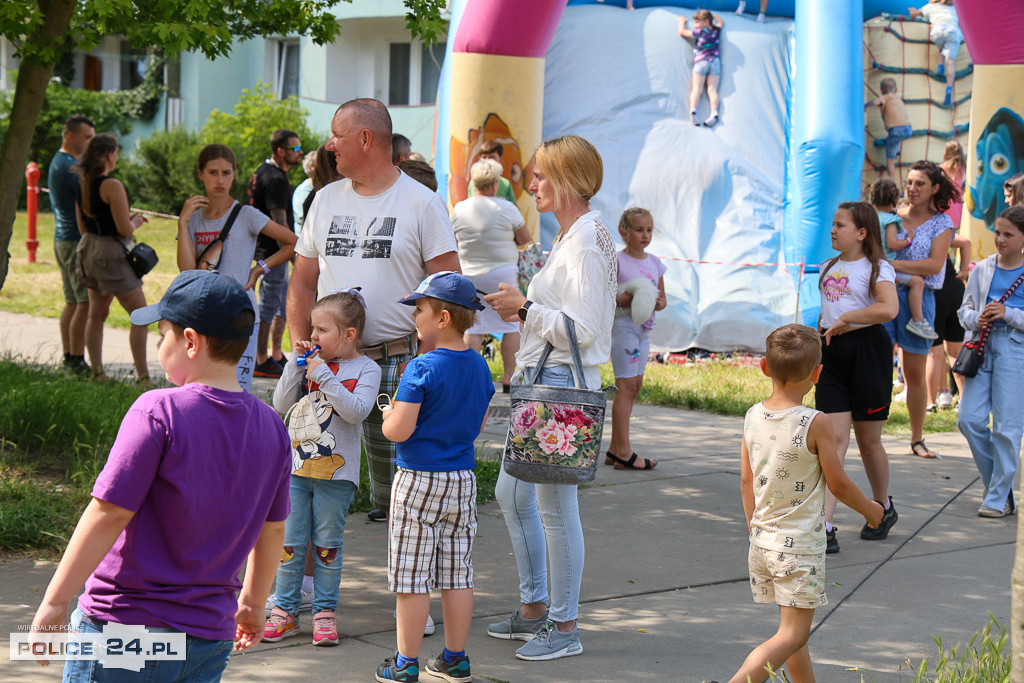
(525, 307)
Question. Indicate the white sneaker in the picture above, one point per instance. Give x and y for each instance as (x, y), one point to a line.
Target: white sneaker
(944, 400)
(305, 603)
(741, 7)
(760, 17)
(922, 329)
(900, 397)
(428, 630)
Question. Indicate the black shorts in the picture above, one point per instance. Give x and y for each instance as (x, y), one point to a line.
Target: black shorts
(947, 301)
(857, 375)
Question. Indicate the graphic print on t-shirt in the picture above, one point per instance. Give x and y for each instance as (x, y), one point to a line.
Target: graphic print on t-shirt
(346, 238)
(317, 459)
(836, 285)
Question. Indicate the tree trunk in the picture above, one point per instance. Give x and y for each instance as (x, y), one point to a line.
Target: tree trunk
(1017, 608)
(29, 95)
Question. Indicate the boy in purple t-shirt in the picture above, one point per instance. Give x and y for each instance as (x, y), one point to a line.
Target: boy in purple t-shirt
(196, 481)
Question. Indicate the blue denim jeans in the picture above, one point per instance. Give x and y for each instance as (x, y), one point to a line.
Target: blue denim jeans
(544, 524)
(897, 327)
(273, 293)
(205, 660)
(319, 509)
(996, 390)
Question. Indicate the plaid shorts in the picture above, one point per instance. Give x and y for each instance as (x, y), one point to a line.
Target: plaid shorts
(787, 579)
(431, 526)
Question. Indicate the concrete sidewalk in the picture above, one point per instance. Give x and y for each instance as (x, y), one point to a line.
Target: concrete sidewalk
(665, 593)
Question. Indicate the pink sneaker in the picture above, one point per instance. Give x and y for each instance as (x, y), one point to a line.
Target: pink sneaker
(279, 626)
(325, 628)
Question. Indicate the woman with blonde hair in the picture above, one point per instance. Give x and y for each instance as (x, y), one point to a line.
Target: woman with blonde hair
(578, 281)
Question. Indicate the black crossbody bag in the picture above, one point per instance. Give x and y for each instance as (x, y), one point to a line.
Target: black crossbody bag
(209, 257)
(972, 354)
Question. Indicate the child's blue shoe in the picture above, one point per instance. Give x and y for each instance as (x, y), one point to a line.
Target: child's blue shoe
(456, 672)
(941, 69)
(949, 96)
(389, 671)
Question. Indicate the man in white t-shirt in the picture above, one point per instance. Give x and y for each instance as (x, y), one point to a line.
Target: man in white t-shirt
(380, 230)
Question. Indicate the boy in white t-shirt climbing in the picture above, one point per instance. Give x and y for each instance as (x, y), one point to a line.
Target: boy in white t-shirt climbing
(788, 458)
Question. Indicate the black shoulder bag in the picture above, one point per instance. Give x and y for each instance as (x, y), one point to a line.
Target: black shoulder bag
(972, 354)
(209, 257)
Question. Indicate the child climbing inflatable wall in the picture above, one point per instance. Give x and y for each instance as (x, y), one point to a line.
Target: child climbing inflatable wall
(739, 206)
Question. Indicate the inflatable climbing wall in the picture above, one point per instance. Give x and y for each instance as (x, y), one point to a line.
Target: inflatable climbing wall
(899, 48)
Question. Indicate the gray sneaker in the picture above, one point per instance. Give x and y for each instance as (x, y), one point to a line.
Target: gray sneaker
(516, 627)
(922, 329)
(550, 643)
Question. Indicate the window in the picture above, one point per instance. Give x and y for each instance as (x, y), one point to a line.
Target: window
(399, 68)
(133, 66)
(287, 69)
(430, 72)
(425, 62)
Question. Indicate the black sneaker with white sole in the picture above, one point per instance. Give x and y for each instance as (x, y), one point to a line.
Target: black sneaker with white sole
(889, 518)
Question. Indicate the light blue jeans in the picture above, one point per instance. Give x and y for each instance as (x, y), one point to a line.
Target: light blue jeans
(205, 660)
(544, 524)
(319, 510)
(996, 390)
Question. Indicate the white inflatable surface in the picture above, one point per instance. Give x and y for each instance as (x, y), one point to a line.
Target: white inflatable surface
(621, 79)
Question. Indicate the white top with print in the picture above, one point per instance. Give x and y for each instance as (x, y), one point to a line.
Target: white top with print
(845, 288)
(380, 243)
(789, 486)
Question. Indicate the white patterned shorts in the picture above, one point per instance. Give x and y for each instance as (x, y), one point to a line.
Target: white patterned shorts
(787, 579)
(431, 527)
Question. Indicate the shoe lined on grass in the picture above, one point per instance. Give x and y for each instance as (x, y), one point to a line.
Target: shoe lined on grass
(279, 626)
(389, 671)
(944, 400)
(889, 518)
(517, 627)
(325, 628)
(550, 643)
(456, 672)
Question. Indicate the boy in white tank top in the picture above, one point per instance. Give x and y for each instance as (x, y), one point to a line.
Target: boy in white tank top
(788, 457)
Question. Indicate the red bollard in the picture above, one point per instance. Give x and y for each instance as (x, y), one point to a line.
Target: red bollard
(32, 176)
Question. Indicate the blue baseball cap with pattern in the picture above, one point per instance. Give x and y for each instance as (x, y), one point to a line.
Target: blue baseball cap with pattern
(446, 285)
(205, 300)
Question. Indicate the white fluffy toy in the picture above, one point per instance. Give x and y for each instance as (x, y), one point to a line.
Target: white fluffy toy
(645, 295)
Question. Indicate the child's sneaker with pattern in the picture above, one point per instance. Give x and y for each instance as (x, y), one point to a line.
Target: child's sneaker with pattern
(279, 626)
(389, 671)
(325, 628)
(456, 672)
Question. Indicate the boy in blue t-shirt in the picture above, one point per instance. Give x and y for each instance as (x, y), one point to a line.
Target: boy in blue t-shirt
(439, 410)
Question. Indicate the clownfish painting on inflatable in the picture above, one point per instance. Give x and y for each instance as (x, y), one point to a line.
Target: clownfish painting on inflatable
(1000, 154)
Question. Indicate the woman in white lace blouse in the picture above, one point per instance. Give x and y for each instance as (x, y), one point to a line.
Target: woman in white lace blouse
(579, 280)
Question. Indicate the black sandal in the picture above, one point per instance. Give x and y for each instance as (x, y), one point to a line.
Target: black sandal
(610, 458)
(623, 464)
(928, 453)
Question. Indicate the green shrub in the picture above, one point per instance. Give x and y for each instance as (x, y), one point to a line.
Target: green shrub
(161, 173)
(984, 659)
(247, 131)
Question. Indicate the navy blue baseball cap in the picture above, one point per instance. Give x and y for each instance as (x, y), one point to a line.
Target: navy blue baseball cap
(446, 285)
(206, 301)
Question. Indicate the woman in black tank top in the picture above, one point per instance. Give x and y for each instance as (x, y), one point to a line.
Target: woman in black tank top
(106, 224)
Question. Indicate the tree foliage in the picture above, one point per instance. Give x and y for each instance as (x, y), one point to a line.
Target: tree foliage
(161, 173)
(42, 31)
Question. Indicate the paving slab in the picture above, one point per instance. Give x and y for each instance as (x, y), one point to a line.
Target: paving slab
(665, 593)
